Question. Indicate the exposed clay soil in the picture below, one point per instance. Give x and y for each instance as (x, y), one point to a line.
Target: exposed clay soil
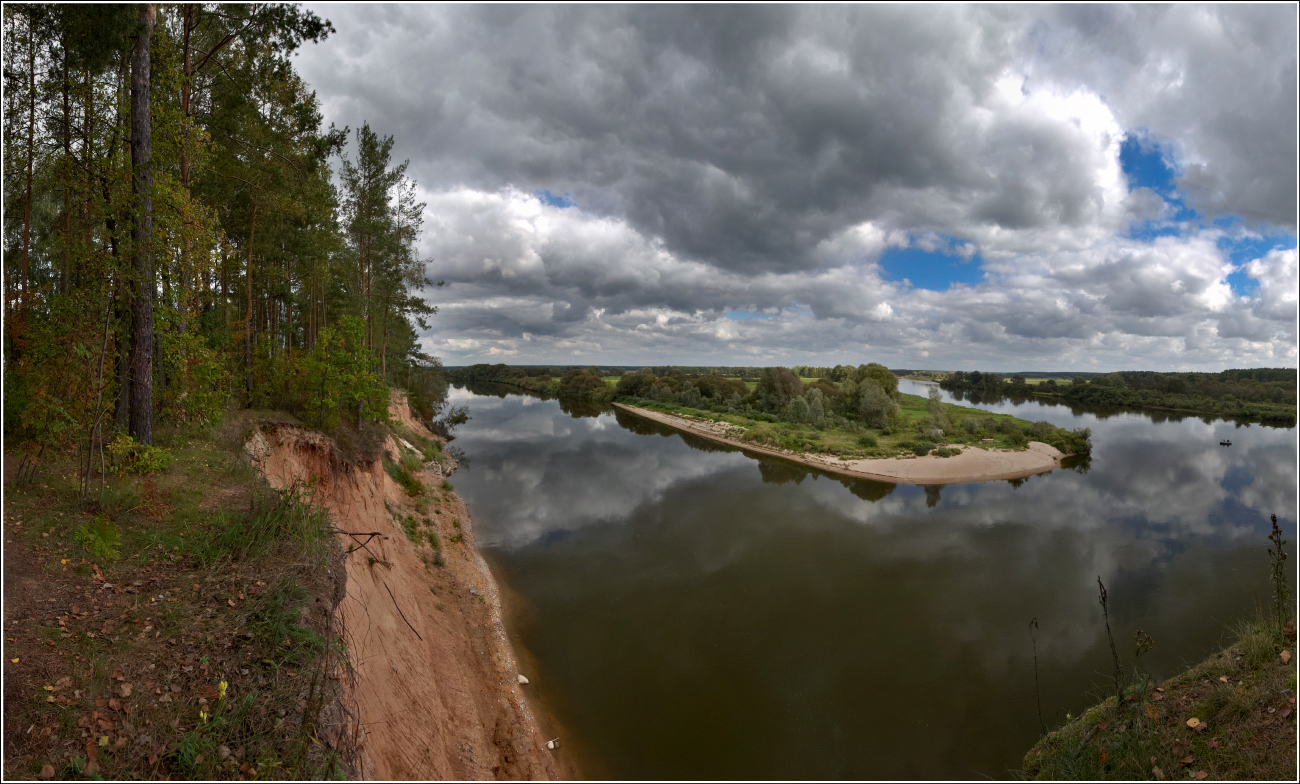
(974, 464)
(434, 690)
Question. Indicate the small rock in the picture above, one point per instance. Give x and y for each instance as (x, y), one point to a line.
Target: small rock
(522, 679)
(553, 744)
(473, 592)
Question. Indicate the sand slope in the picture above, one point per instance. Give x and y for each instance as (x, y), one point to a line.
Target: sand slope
(434, 692)
(972, 465)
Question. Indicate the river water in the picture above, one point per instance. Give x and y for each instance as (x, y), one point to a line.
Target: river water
(686, 611)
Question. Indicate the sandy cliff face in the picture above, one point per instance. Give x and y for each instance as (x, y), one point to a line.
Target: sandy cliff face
(433, 692)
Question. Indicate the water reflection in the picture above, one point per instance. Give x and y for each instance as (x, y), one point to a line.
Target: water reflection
(699, 612)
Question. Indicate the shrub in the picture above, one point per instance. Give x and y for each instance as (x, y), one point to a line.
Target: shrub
(131, 456)
(923, 448)
(868, 440)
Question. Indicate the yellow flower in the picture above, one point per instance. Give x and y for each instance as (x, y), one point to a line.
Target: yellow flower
(203, 715)
(221, 690)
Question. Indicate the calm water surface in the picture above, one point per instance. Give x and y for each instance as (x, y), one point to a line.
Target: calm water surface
(690, 612)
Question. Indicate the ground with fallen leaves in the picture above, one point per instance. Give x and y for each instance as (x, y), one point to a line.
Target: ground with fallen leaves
(114, 666)
(1233, 717)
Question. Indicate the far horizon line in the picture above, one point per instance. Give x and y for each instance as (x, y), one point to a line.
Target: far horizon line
(631, 366)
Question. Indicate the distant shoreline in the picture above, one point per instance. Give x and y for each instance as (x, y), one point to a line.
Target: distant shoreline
(974, 464)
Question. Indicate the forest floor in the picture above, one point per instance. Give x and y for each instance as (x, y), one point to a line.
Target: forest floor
(202, 623)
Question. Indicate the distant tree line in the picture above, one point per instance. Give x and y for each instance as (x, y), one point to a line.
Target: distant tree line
(1264, 394)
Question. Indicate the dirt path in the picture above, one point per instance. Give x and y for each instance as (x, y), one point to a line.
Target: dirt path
(972, 465)
(435, 687)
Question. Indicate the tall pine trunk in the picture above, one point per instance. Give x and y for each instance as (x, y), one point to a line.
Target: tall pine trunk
(142, 235)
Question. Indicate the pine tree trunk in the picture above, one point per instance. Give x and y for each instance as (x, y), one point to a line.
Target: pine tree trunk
(248, 315)
(31, 145)
(142, 235)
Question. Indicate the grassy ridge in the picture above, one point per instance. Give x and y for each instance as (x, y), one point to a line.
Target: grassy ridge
(1243, 698)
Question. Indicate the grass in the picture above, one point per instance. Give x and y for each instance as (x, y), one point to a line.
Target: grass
(217, 578)
(1244, 695)
(402, 476)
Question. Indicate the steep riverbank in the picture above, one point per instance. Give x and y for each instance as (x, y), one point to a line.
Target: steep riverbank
(433, 689)
(972, 465)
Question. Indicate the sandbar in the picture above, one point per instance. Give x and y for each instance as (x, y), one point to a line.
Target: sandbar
(974, 464)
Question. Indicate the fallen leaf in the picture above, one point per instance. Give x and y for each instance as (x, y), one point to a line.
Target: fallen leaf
(241, 596)
(15, 661)
(1213, 743)
(114, 704)
(120, 743)
(1103, 758)
(1223, 678)
(118, 675)
(1151, 710)
(103, 741)
(1188, 760)
(1286, 656)
(47, 772)
(1200, 774)
(1101, 725)
(1122, 727)
(1193, 722)
(1158, 773)
(1286, 711)
(230, 602)
(1202, 727)
(125, 689)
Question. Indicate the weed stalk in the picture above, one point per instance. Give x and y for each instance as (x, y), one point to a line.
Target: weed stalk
(1038, 693)
(1105, 614)
(1281, 591)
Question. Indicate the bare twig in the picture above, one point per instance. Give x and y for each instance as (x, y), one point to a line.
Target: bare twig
(399, 611)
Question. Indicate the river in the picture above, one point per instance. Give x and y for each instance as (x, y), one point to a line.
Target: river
(685, 611)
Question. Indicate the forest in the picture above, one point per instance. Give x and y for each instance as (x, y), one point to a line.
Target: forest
(1264, 394)
(183, 236)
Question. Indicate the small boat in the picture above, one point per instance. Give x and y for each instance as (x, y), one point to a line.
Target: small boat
(1225, 443)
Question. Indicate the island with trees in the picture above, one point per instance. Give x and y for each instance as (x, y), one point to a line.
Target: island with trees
(850, 420)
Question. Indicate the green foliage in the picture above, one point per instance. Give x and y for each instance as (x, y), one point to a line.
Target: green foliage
(101, 538)
(922, 448)
(132, 457)
(868, 440)
(339, 377)
(403, 477)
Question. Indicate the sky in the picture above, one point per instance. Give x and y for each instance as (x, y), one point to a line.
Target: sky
(1088, 187)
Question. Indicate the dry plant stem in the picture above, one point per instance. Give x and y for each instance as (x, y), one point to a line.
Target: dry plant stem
(1105, 614)
(1038, 693)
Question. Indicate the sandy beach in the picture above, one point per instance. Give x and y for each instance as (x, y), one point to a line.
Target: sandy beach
(974, 464)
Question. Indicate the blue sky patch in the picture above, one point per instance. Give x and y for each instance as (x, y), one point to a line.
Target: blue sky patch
(1244, 249)
(555, 201)
(1147, 163)
(931, 269)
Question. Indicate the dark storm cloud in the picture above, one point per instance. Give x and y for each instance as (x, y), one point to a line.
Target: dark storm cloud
(762, 158)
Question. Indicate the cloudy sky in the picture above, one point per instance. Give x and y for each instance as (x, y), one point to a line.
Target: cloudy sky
(1089, 187)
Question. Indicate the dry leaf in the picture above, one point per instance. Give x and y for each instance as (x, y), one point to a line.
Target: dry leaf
(1103, 758)
(230, 602)
(47, 772)
(1101, 725)
(118, 675)
(125, 689)
(1223, 678)
(1193, 722)
(1202, 727)
(15, 661)
(1286, 656)
(1214, 743)
(114, 704)
(1286, 711)
(1158, 773)
(1200, 774)
(1188, 760)
(1151, 710)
